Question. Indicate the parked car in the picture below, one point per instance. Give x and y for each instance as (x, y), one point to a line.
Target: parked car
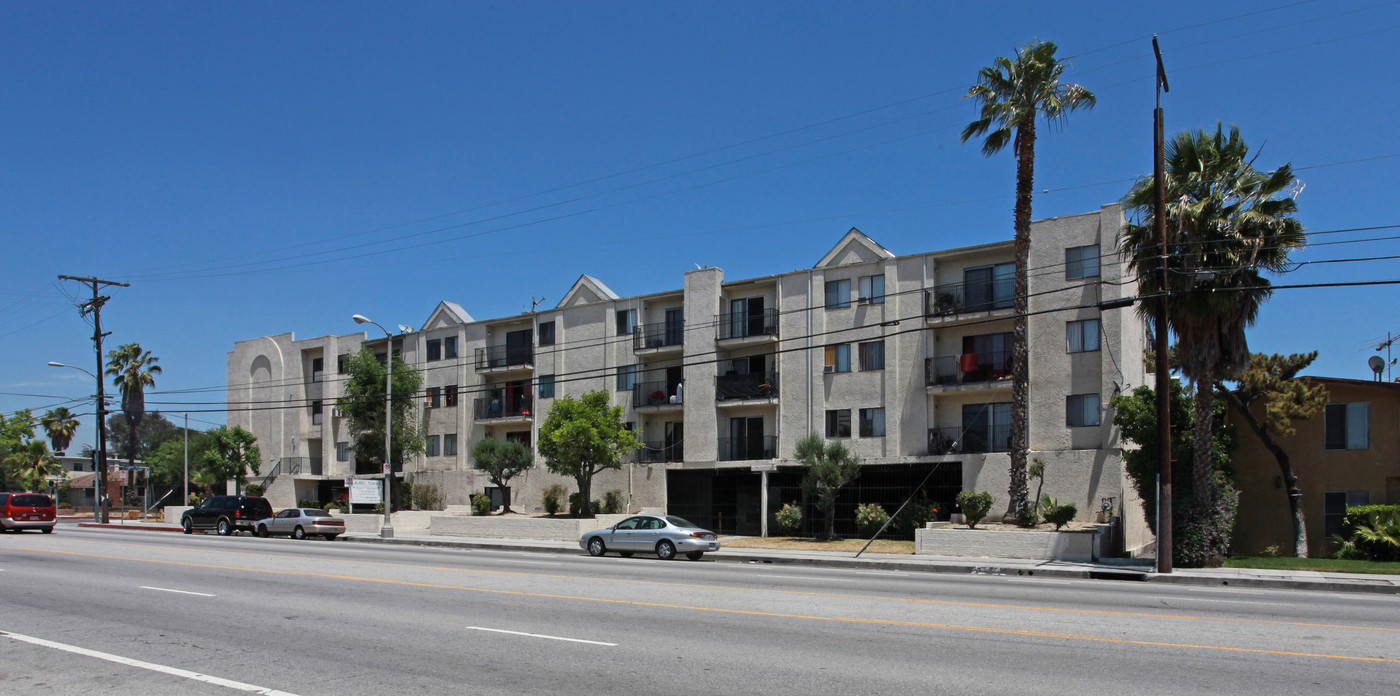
(664, 535)
(226, 514)
(299, 523)
(21, 511)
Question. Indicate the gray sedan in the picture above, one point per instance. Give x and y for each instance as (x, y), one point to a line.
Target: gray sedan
(664, 535)
(300, 523)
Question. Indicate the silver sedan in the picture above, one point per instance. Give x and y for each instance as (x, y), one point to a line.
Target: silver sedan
(300, 523)
(664, 535)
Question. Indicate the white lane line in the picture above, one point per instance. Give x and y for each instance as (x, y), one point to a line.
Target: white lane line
(541, 635)
(163, 669)
(881, 572)
(803, 577)
(548, 563)
(164, 589)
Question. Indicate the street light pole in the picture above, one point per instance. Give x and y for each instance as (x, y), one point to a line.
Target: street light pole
(386, 531)
(99, 512)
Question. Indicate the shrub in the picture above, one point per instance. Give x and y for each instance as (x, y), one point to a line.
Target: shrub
(405, 499)
(576, 505)
(481, 504)
(306, 502)
(870, 518)
(65, 506)
(1202, 531)
(1380, 538)
(426, 497)
(789, 519)
(916, 515)
(1055, 513)
(554, 499)
(1347, 551)
(196, 499)
(256, 489)
(332, 507)
(379, 508)
(613, 501)
(974, 506)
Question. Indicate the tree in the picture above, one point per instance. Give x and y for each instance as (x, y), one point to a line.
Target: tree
(132, 370)
(363, 406)
(1227, 225)
(830, 467)
(581, 437)
(31, 464)
(502, 460)
(233, 452)
(1269, 380)
(60, 426)
(1012, 94)
(153, 430)
(167, 459)
(15, 432)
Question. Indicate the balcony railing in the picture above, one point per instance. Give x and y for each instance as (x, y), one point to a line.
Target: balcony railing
(516, 406)
(959, 298)
(655, 394)
(659, 452)
(658, 335)
(745, 324)
(996, 438)
(498, 357)
(968, 368)
(737, 449)
(759, 385)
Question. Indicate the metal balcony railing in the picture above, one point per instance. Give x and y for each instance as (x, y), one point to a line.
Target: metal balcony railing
(737, 449)
(655, 394)
(515, 406)
(975, 440)
(745, 324)
(968, 368)
(497, 357)
(761, 385)
(959, 298)
(658, 335)
(658, 452)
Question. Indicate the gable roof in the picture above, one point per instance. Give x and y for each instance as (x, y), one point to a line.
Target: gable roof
(447, 314)
(586, 290)
(854, 247)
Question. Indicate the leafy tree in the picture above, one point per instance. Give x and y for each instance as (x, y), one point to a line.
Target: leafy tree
(581, 437)
(1012, 94)
(15, 432)
(363, 408)
(1269, 380)
(167, 460)
(232, 454)
(153, 430)
(830, 467)
(60, 426)
(30, 464)
(132, 370)
(502, 460)
(1227, 225)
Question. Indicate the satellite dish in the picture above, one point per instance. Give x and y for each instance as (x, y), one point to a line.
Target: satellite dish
(1377, 364)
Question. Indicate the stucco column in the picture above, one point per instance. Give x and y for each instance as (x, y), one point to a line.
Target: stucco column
(763, 503)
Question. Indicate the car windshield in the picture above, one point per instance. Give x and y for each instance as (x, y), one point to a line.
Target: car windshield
(31, 501)
(681, 522)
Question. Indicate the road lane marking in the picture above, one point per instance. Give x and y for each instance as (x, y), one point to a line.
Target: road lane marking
(803, 577)
(548, 563)
(1225, 601)
(541, 635)
(166, 589)
(163, 669)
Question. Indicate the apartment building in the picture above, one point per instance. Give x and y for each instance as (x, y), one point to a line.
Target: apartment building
(904, 358)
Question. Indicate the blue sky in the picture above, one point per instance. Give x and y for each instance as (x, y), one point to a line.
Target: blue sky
(253, 168)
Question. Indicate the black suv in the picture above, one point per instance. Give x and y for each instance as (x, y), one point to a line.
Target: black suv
(227, 514)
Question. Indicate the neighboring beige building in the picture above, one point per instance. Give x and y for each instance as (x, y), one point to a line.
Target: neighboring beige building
(905, 358)
(1347, 455)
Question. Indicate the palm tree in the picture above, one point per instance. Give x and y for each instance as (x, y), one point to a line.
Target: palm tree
(1227, 225)
(1012, 94)
(32, 464)
(60, 425)
(132, 371)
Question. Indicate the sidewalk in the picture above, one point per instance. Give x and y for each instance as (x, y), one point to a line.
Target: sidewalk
(1108, 569)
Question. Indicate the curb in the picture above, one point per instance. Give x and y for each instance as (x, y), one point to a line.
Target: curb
(1353, 586)
(140, 527)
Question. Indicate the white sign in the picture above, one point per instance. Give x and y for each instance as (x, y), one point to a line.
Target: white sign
(365, 492)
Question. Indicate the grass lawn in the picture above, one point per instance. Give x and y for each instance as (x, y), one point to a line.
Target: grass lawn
(1321, 565)
(808, 544)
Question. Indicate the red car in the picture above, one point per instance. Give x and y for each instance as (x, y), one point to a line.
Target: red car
(21, 511)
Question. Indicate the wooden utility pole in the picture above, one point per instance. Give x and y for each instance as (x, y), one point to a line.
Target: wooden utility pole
(94, 307)
(1164, 409)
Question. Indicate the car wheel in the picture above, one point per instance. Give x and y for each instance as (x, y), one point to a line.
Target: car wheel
(596, 547)
(225, 528)
(298, 533)
(694, 555)
(48, 530)
(665, 550)
(185, 525)
(262, 531)
(625, 554)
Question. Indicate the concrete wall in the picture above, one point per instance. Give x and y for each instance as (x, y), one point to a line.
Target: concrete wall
(536, 528)
(1077, 546)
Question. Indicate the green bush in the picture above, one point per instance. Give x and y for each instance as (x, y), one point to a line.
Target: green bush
(196, 499)
(425, 496)
(576, 505)
(65, 506)
(1378, 537)
(789, 519)
(1055, 513)
(916, 515)
(307, 503)
(554, 499)
(870, 518)
(1201, 532)
(255, 489)
(974, 506)
(481, 504)
(613, 501)
(379, 508)
(332, 507)
(405, 499)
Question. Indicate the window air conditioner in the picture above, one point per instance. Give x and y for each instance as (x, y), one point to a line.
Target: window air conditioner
(862, 300)
(336, 412)
(829, 368)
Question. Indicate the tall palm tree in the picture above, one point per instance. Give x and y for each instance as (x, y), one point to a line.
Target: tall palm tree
(32, 464)
(1012, 95)
(132, 370)
(60, 426)
(1227, 225)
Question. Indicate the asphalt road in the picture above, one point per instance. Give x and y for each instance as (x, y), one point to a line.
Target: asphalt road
(89, 611)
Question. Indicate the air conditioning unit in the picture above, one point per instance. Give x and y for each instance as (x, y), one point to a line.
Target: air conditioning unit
(336, 412)
(829, 368)
(862, 300)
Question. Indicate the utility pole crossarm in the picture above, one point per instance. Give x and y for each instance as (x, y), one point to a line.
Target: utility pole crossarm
(94, 307)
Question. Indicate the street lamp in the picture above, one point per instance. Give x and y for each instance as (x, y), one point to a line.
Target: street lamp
(99, 513)
(387, 530)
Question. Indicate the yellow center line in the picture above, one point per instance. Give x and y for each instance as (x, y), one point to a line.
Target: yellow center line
(744, 612)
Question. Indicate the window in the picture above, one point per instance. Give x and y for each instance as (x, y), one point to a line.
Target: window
(1082, 410)
(871, 290)
(1082, 336)
(1334, 509)
(433, 448)
(342, 451)
(838, 423)
(872, 355)
(434, 349)
(449, 445)
(546, 333)
(872, 422)
(340, 362)
(987, 288)
(318, 365)
(316, 412)
(626, 377)
(546, 386)
(521, 436)
(838, 293)
(449, 347)
(449, 394)
(1347, 426)
(434, 397)
(838, 358)
(1081, 262)
(626, 321)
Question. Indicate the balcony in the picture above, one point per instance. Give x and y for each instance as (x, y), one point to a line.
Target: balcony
(974, 440)
(654, 396)
(738, 449)
(737, 387)
(748, 327)
(658, 452)
(505, 358)
(503, 408)
(980, 369)
(948, 302)
(661, 337)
